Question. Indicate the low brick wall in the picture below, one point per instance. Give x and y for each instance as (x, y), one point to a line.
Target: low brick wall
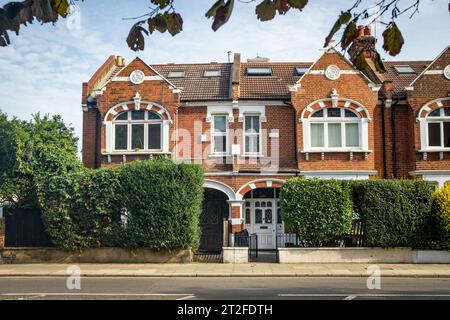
(93, 255)
(361, 255)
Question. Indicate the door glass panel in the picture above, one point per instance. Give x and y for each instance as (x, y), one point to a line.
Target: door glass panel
(154, 136)
(258, 216)
(263, 193)
(317, 135)
(434, 134)
(333, 112)
(121, 137)
(263, 204)
(269, 204)
(137, 136)
(447, 112)
(447, 134)
(268, 215)
(153, 116)
(334, 135)
(279, 216)
(122, 116)
(350, 114)
(247, 204)
(138, 115)
(435, 113)
(317, 114)
(247, 216)
(257, 204)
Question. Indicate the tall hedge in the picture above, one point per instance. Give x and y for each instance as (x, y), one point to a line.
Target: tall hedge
(442, 211)
(161, 200)
(396, 213)
(317, 210)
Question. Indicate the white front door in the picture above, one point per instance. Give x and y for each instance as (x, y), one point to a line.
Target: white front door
(263, 222)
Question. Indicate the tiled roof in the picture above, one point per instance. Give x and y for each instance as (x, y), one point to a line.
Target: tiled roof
(275, 86)
(197, 87)
(400, 81)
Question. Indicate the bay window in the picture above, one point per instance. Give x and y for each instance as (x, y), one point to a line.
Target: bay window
(137, 131)
(334, 128)
(438, 128)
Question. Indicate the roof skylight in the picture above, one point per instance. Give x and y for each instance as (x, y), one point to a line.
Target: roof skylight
(176, 74)
(259, 71)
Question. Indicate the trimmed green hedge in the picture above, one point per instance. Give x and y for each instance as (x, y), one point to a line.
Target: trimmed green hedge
(161, 200)
(317, 210)
(396, 213)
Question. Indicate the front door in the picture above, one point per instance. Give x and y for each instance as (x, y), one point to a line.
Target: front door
(261, 219)
(215, 210)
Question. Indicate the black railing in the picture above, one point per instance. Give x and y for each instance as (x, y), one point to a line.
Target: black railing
(244, 239)
(353, 239)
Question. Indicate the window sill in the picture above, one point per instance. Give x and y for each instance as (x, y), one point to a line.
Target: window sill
(125, 152)
(435, 150)
(329, 150)
(247, 155)
(217, 155)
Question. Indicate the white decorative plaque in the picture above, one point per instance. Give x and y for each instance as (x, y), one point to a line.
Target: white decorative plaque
(447, 72)
(332, 72)
(137, 77)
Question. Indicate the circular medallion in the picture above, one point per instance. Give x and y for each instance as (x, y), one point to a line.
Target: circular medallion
(137, 77)
(332, 72)
(447, 72)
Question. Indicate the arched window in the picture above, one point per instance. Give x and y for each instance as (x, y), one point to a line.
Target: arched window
(438, 128)
(334, 129)
(137, 131)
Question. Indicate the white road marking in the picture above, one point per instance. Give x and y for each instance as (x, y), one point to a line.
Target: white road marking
(186, 298)
(98, 294)
(361, 295)
(350, 298)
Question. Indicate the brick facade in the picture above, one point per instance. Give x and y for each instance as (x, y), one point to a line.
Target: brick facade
(392, 149)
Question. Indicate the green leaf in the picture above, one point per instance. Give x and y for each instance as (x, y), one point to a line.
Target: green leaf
(61, 7)
(160, 23)
(379, 65)
(135, 39)
(213, 10)
(393, 39)
(161, 3)
(350, 34)
(282, 6)
(174, 23)
(344, 18)
(360, 61)
(298, 4)
(222, 15)
(266, 10)
(43, 11)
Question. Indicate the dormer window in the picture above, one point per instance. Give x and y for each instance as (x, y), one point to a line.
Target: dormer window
(259, 71)
(299, 71)
(404, 69)
(211, 73)
(176, 74)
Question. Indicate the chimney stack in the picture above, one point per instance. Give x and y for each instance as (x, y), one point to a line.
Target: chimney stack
(364, 43)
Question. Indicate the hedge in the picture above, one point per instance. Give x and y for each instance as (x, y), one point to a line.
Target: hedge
(442, 209)
(316, 210)
(161, 199)
(396, 213)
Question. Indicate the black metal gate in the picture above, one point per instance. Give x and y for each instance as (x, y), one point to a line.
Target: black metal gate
(244, 239)
(24, 228)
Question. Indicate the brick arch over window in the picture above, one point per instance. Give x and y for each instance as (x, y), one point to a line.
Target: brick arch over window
(358, 108)
(431, 106)
(144, 105)
(262, 183)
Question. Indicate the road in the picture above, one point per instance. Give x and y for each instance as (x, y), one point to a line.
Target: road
(238, 288)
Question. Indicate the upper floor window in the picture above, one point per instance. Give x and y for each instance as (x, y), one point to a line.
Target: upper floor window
(252, 134)
(220, 134)
(334, 128)
(138, 131)
(438, 128)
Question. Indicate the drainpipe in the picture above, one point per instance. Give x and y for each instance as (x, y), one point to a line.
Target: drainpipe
(394, 138)
(383, 132)
(295, 131)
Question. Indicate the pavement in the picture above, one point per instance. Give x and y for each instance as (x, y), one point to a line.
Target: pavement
(225, 270)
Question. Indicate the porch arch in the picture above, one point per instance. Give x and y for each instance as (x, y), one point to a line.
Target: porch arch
(259, 183)
(212, 184)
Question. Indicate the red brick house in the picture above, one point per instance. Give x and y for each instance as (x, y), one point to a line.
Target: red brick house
(254, 124)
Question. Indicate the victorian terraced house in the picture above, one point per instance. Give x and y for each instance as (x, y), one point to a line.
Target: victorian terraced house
(254, 124)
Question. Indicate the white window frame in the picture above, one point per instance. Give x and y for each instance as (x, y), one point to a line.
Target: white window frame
(129, 122)
(342, 120)
(226, 134)
(253, 134)
(424, 122)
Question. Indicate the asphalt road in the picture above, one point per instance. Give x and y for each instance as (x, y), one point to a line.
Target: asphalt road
(239, 288)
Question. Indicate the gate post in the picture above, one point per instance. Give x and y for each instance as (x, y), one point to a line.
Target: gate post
(2, 229)
(236, 215)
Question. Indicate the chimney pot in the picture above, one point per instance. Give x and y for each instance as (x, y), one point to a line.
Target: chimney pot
(361, 31)
(367, 31)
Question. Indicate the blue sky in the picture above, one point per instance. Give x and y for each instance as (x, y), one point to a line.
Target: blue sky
(43, 69)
